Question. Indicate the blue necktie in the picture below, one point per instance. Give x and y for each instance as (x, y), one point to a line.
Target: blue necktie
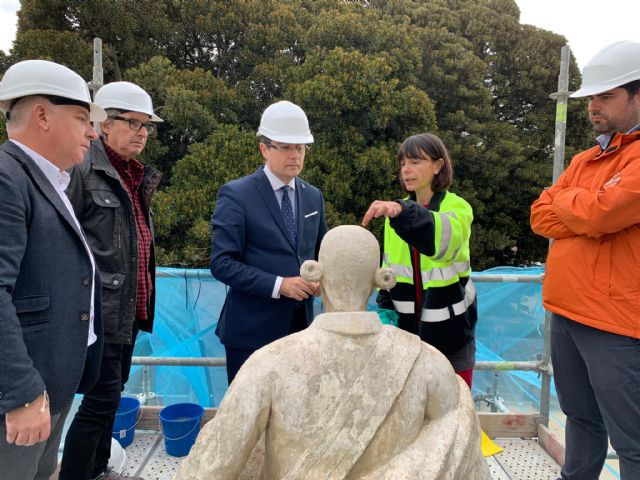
(287, 214)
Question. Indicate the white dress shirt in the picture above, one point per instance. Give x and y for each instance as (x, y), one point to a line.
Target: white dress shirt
(277, 184)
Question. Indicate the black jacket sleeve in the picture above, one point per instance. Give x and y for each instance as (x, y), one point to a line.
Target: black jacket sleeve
(383, 300)
(416, 226)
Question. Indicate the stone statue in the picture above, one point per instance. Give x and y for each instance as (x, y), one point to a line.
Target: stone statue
(347, 398)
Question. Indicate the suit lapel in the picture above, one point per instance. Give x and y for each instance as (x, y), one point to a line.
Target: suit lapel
(269, 198)
(41, 182)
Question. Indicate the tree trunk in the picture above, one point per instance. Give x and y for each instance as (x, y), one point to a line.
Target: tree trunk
(117, 75)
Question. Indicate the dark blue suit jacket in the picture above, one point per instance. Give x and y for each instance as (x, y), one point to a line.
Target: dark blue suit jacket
(250, 247)
(45, 291)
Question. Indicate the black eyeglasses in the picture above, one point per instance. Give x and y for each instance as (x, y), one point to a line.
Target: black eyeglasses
(137, 125)
(288, 148)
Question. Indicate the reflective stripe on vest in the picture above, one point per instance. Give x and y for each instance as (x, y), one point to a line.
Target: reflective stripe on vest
(445, 235)
(398, 270)
(437, 273)
(404, 306)
(442, 314)
(445, 273)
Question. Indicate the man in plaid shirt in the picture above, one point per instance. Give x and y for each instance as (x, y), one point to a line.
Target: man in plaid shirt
(111, 195)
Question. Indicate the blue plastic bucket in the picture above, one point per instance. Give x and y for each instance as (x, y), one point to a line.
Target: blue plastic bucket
(180, 426)
(124, 426)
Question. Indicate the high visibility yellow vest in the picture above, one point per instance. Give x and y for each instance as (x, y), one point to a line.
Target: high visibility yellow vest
(451, 259)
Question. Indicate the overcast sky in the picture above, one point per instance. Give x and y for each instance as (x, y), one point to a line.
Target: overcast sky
(588, 25)
(8, 20)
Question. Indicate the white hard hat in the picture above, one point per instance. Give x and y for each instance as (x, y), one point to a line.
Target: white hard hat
(41, 77)
(285, 122)
(612, 67)
(126, 96)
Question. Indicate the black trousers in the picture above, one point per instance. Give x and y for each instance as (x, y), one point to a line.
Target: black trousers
(237, 356)
(87, 446)
(597, 377)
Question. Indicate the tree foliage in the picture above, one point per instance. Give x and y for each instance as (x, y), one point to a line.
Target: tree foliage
(367, 73)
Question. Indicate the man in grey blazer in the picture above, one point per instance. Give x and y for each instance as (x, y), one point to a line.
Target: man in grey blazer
(50, 326)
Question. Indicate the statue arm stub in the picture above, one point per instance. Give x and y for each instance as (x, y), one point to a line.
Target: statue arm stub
(225, 443)
(444, 449)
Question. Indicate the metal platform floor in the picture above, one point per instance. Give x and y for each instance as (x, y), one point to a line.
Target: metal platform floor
(520, 460)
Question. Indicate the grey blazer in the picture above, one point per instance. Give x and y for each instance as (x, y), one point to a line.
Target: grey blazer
(45, 290)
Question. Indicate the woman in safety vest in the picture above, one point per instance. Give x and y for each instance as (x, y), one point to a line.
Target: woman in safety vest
(426, 243)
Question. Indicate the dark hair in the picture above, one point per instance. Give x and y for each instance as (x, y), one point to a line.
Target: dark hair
(263, 139)
(417, 146)
(632, 87)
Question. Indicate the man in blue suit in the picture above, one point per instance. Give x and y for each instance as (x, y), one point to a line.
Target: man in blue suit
(51, 330)
(265, 226)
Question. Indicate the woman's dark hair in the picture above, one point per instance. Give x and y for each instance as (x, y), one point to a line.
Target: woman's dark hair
(417, 146)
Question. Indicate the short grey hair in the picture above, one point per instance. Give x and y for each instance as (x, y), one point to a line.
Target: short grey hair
(20, 113)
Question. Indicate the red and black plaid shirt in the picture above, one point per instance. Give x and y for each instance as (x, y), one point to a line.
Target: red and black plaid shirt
(131, 172)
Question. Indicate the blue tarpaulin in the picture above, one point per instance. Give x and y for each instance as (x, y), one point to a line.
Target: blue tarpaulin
(189, 302)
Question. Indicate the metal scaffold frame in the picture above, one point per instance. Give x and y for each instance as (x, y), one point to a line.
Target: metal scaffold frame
(541, 366)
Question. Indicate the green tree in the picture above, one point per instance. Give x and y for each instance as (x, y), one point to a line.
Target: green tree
(191, 102)
(132, 31)
(490, 78)
(3, 130)
(64, 47)
(368, 73)
(4, 62)
(183, 210)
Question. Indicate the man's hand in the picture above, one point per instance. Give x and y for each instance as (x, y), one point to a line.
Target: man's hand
(380, 208)
(613, 181)
(27, 426)
(298, 288)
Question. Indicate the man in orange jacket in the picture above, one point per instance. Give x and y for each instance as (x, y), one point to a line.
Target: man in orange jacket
(592, 281)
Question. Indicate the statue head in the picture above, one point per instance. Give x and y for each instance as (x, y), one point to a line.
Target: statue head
(348, 269)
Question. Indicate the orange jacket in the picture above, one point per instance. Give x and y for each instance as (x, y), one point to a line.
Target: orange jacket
(593, 265)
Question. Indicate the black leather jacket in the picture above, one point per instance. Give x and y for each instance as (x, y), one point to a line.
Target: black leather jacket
(105, 211)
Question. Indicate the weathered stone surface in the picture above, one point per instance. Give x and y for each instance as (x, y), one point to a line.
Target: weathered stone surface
(348, 398)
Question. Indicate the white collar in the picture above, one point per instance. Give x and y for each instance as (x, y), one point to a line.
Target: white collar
(275, 182)
(59, 178)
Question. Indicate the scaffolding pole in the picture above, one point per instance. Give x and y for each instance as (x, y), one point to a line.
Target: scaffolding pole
(476, 277)
(98, 80)
(562, 98)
